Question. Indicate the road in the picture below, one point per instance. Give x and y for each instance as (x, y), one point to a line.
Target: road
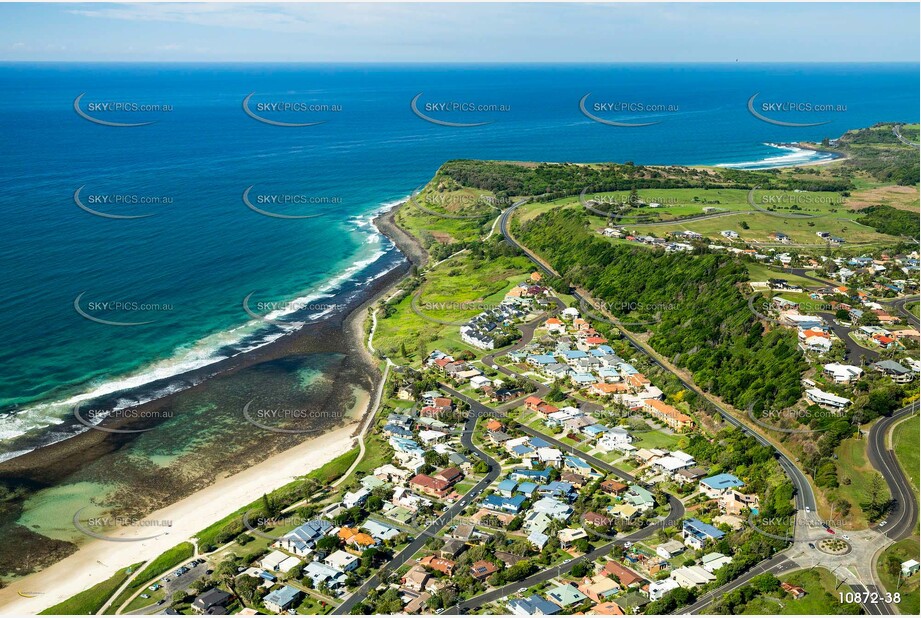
(902, 519)
(898, 133)
(901, 308)
(676, 512)
(432, 530)
(804, 494)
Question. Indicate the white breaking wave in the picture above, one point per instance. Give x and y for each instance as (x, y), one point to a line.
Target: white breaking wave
(793, 156)
(201, 353)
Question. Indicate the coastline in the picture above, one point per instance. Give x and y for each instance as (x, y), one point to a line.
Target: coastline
(98, 559)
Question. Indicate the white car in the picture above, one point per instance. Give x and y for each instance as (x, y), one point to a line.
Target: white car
(808, 510)
(883, 524)
(845, 537)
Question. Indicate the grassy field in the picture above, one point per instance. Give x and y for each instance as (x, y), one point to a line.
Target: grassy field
(159, 565)
(854, 474)
(834, 214)
(454, 291)
(910, 603)
(905, 443)
(821, 597)
(91, 601)
(655, 439)
(761, 272)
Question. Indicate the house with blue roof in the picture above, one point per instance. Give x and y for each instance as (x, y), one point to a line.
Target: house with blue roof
(396, 430)
(593, 431)
(527, 488)
(302, 539)
(539, 443)
(534, 605)
(582, 379)
(715, 486)
(495, 502)
(557, 489)
(522, 450)
(539, 360)
(571, 463)
(697, 534)
(572, 355)
(627, 368)
(609, 374)
(282, 599)
(506, 488)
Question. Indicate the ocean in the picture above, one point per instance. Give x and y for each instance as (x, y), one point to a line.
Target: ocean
(101, 306)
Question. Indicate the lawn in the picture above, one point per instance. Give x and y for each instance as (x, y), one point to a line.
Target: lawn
(854, 475)
(454, 291)
(655, 439)
(91, 601)
(761, 272)
(906, 443)
(821, 597)
(896, 554)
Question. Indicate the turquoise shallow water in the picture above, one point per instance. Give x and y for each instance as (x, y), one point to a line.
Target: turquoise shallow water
(203, 251)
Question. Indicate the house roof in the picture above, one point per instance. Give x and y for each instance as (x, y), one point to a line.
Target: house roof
(722, 481)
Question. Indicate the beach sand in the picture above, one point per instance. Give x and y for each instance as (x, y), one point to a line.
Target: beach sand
(98, 560)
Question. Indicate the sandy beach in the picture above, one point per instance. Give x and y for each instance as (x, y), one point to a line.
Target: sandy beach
(97, 560)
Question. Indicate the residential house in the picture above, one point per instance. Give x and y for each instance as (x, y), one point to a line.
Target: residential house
(215, 597)
(282, 599)
(565, 595)
(669, 415)
(715, 486)
(697, 534)
(482, 569)
(692, 576)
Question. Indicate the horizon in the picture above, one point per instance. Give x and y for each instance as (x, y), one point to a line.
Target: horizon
(451, 33)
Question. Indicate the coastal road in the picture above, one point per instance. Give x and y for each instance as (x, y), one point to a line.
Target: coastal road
(432, 530)
(897, 129)
(902, 519)
(804, 495)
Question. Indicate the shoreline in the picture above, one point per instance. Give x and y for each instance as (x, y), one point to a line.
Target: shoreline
(98, 559)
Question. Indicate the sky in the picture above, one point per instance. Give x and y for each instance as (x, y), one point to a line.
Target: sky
(472, 33)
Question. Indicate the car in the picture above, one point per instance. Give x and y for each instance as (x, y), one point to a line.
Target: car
(145, 596)
(808, 510)
(154, 587)
(829, 531)
(845, 537)
(628, 545)
(522, 590)
(882, 524)
(161, 601)
(812, 546)
(167, 579)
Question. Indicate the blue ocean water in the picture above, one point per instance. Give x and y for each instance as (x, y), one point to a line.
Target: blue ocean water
(203, 250)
